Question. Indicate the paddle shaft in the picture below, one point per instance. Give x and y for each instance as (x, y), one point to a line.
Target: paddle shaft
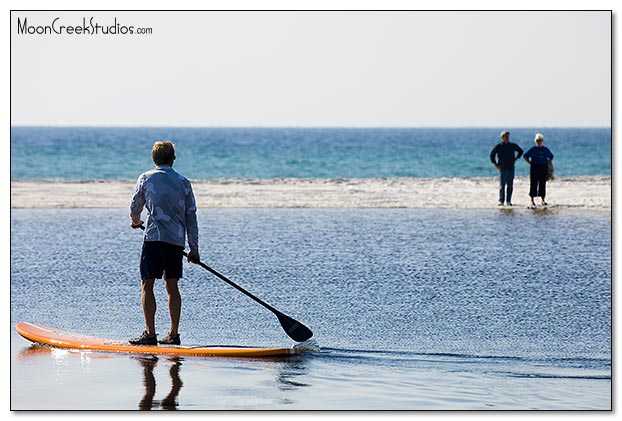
(236, 286)
(293, 328)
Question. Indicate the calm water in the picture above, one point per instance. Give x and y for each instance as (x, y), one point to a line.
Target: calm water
(412, 309)
(203, 153)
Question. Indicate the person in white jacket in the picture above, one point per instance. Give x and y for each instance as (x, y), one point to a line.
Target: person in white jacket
(171, 209)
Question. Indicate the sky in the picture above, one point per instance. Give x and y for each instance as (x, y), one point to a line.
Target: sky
(313, 68)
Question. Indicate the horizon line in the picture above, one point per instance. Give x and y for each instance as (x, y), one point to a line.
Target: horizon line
(112, 126)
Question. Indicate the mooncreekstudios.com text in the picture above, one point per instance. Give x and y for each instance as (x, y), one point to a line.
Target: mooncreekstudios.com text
(88, 27)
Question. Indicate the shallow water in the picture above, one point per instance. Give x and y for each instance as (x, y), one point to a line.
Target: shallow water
(412, 309)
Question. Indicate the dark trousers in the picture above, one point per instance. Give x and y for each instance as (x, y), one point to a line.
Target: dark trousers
(506, 183)
(537, 178)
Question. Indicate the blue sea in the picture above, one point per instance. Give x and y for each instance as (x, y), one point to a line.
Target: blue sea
(205, 153)
(411, 309)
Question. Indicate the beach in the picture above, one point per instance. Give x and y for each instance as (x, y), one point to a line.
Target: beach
(568, 192)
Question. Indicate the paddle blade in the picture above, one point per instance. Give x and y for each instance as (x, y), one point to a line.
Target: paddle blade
(294, 329)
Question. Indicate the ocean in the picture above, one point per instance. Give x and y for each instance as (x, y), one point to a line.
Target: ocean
(86, 153)
(411, 309)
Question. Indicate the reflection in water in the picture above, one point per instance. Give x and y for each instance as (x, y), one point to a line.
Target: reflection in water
(289, 372)
(170, 401)
(148, 363)
(290, 375)
(34, 350)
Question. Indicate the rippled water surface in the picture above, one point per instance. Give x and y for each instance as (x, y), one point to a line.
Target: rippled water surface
(412, 309)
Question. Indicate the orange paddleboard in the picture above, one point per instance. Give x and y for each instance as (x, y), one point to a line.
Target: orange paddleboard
(62, 339)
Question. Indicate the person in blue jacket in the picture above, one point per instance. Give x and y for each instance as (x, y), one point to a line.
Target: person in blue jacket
(538, 157)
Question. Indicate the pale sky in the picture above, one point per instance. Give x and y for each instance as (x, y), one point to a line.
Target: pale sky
(472, 68)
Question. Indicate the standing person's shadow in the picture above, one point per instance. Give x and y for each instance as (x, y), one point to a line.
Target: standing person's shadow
(169, 403)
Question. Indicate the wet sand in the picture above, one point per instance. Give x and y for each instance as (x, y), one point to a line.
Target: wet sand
(585, 192)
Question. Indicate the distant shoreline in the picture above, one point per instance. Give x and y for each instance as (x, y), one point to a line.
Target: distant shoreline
(575, 192)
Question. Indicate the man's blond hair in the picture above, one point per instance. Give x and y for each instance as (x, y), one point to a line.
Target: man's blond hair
(163, 153)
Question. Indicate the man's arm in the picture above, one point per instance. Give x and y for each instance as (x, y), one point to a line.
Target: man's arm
(192, 227)
(137, 204)
(493, 154)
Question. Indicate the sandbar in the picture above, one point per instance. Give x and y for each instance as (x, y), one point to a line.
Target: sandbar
(579, 192)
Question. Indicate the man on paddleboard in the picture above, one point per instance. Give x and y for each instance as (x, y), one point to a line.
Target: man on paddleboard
(171, 210)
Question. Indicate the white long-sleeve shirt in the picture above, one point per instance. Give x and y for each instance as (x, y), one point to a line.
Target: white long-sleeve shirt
(171, 207)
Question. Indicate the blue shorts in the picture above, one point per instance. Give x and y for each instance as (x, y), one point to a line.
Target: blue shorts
(160, 259)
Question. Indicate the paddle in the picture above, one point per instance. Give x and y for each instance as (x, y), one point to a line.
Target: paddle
(294, 329)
